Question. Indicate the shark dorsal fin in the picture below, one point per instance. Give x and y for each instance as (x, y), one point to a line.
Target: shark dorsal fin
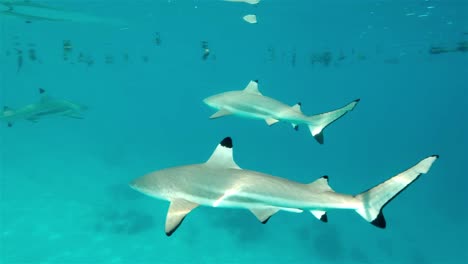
(321, 184)
(252, 87)
(297, 107)
(222, 156)
(44, 96)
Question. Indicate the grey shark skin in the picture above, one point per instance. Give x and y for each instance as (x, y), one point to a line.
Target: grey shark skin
(38, 12)
(46, 106)
(252, 104)
(220, 182)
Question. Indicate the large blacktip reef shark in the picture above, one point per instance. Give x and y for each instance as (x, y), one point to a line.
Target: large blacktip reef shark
(47, 106)
(220, 182)
(250, 103)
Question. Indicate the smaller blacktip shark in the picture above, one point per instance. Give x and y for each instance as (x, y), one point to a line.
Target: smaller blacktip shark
(220, 182)
(47, 106)
(250, 103)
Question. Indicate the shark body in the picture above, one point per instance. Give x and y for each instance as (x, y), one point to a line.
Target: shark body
(47, 106)
(250, 103)
(38, 12)
(220, 182)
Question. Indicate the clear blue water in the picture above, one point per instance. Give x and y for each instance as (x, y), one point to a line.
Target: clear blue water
(64, 195)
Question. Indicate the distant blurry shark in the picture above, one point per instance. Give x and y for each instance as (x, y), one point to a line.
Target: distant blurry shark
(220, 182)
(252, 2)
(46, 106)
(34, 12)
(252, 104)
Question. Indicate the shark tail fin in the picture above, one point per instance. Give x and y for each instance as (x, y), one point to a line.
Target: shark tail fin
(317, 123)
(375, 199)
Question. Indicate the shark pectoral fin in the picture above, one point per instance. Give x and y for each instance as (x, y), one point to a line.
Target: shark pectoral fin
(264, 214)
(178, 209)
(74, 115)
(33, 119)
(271, 121)
(320, 215)
(220, 113)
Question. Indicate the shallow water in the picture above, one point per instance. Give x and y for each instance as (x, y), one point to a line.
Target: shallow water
(142, 69)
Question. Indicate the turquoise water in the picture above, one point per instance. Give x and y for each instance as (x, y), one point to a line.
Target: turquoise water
(139, 68)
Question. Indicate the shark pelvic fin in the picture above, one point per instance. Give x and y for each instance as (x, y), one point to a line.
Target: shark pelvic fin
(264, 214)
(220, 113)
(74, 115)
(252, 87)
(320, 215)
(271, 121)
(222, 155)
(178, 209)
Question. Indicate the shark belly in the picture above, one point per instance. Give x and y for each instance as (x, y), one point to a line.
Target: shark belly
(247, 189)
(262, 107)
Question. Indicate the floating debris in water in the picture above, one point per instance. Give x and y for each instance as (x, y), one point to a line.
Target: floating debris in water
(323, 58)
(109, 59)
(206, 50)
(19, 62)
(67, 49)
(461, 47)
(293, 58)
(32, 54)
(251, 2)
(252, 19)
(126, 58)
(157, 39)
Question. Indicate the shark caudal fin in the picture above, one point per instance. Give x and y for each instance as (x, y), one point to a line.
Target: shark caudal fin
(319, 122)
(375, 199)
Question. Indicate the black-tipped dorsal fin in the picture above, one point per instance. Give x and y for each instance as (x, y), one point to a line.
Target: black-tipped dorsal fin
(297, 107)
(252, 87)
(222, 155)
(44, 95)
(321, 184)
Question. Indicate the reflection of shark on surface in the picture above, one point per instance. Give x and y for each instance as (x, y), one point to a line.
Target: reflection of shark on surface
(220, 182)
(46, 106)
(33, 12)
(251, 103)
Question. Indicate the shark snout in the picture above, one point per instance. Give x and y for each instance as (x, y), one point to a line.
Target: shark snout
(207, 101)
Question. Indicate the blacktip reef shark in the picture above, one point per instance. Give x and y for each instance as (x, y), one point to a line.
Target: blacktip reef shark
(38, 12)
(252, 104)
(47, 106)
(220, 182)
